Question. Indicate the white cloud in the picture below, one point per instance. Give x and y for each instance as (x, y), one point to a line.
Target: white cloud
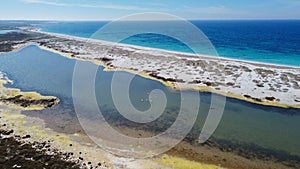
(118, 7)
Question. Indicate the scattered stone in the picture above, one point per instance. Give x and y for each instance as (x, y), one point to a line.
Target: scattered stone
(8, 132)
(270, 98)
(230, 84)
(260, 85)
(247, 96)
(26, 136)
(17, 154)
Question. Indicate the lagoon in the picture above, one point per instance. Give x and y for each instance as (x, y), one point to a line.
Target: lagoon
(269, 129)
(6, 31)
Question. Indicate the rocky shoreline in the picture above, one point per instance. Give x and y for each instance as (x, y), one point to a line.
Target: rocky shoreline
(16, 149)
(17, 154)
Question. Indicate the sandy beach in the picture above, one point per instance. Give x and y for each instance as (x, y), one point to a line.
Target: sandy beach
(266, 84)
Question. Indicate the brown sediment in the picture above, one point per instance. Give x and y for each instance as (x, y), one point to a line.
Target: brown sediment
(217, 155)
(213, 155)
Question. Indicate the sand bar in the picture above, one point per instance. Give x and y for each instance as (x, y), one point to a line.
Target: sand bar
(266, 84)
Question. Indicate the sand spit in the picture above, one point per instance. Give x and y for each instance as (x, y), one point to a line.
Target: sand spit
(265, 84)
(25, 100)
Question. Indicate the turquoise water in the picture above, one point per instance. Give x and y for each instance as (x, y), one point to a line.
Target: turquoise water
(33, 69)
(275, 41)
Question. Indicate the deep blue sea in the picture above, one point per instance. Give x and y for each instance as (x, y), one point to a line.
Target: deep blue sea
(269, 41)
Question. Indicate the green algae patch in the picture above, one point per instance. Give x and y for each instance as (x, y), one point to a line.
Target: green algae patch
(180, 163)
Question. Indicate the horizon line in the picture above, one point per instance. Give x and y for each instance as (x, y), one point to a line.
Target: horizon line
(211, 19)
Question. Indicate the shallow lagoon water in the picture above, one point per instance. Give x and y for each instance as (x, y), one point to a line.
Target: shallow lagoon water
(6, 31)
(33, 69)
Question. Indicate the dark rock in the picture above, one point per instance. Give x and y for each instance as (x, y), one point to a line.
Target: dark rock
(26, 136)
(207, 83)
(247, 96)
(257, 99)
(230, 84)
(260, 85)
(8, 132)
(270, 98)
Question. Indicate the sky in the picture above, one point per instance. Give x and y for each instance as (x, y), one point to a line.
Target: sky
(114, 9)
